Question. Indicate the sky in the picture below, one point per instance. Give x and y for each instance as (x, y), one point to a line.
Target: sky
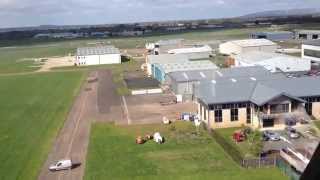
(17, 13)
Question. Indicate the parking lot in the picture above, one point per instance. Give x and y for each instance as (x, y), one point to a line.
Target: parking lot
(151, 108)
(306, 141)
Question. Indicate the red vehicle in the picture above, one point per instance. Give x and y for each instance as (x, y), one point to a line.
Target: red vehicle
(238, 136)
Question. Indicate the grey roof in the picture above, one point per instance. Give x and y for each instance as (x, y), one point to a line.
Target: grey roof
(312, 43)
(273, 33)
(220, 75)
(253, 42)
(308, 31)
(187, 66)
(258, 92)
(100, 50)
(177, 58)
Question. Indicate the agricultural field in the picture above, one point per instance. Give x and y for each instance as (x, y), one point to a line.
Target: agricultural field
(186, 154)
(33, 109)
(17, 57)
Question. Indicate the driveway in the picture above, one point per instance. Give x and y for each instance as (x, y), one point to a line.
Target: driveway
(97, 101)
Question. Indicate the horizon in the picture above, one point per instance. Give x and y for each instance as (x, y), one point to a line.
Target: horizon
(25, 13)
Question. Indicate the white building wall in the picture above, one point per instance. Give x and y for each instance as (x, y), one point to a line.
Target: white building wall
(229, 48)
(110, 59)
(91, 60)
(99, 59)
(316, 48)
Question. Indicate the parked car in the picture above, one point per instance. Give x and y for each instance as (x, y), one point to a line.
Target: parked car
(270, 135)
(64, 164)
(292, 133)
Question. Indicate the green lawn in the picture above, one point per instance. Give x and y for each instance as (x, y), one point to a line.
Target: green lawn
(33, 108)
(19, 56)
(113, 154)
(242, 147)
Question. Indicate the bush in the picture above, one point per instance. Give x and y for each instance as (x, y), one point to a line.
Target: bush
(234, 153)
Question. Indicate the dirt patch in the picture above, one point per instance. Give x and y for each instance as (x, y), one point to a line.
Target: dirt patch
(147, 109)
(48, 63)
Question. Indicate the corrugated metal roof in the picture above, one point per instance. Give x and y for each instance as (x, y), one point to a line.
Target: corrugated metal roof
(312, 43)
(308, 31)
(258, 92)
(100, 50)
(253, 42)
(273, 33)
(187, 66)
(219, 75)
(177, 58)
(257, 56)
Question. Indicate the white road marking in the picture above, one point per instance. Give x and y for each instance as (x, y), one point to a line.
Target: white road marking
(126, 109)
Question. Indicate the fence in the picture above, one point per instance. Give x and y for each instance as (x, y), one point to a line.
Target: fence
(259, 162)
(235, 154)
(146, 91)
(287, 169)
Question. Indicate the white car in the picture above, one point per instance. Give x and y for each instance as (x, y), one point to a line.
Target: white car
(61, 165)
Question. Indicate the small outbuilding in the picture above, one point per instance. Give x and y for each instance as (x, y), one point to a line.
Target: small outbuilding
(243, 46)
(98, 55)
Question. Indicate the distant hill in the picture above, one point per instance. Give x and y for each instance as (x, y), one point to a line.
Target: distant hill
(285, 13)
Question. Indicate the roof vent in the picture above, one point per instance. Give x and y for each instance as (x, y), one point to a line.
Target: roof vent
(185, 76)
(253, 79)
(213, 81)
(233, 80)
(219, 73)
(202, 75)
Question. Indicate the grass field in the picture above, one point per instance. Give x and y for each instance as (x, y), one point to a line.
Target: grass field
(113, 154)
(242, 147)
(33, 108)
(19, 56)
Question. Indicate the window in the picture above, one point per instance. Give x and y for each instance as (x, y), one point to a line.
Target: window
(248, 115)
(218, 115)
(315, 36)
(312, 53)
(234, 114)
(279, 108)
(303, 36)
(205, 114)
(308, 107)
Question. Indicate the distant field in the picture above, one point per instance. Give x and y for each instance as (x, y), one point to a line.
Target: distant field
(19, 56)
(113, 154)
(33, 108)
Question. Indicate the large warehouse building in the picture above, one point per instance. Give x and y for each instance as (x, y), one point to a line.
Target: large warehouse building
(184, 83)
(243, 46)
(173, 59)
(273, 36)
(258, 103)
(311, 51)
(274, 62)
(98, 55)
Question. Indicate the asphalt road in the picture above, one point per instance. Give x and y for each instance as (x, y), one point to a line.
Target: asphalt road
(97, 101)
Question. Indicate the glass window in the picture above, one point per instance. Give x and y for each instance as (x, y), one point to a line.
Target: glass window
(279, 108)
(248, 115)
(312, 53)
(218, 115)
(234, 114)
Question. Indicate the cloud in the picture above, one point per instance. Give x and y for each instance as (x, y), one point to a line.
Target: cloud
(37, 12)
